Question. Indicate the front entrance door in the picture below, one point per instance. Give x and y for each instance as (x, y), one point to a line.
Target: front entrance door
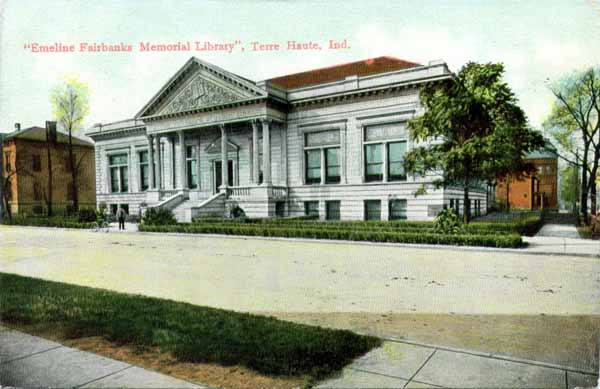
(218, 175)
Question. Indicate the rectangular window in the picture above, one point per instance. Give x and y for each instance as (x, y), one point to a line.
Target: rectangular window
(192, 161)
(322, 147)
(396, 151)
(397, 209)
(37, 163)
(333, 210)
(119, 174)
(114, 179)
(332, 165)
(313, 166)
(124, 173)
(113, 209)
(373, 162)
(7, 167)
(372, 209)
(311, 208)
(144, 171)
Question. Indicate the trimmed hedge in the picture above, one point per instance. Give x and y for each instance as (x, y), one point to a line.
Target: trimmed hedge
(504, 240)
(58, 222)
(526, 226)
(192, 333)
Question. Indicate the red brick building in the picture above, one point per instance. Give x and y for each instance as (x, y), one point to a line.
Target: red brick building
(535, 191)
(25, 172)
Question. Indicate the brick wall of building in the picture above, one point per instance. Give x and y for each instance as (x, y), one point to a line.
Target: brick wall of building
(29, 186)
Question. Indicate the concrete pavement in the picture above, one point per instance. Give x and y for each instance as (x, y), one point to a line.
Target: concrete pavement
(559, 231)
(30, 361)
(400, 364)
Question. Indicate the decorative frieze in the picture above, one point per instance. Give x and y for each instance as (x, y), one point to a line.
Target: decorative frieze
(197, 94)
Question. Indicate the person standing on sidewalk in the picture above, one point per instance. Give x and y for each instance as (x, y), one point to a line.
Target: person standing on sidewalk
(121, 214)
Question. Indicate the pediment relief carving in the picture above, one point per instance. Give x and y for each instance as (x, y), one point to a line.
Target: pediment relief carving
(200, 93)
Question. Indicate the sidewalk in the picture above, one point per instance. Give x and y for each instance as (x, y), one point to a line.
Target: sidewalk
(560, 239)
(30, 361)
(403, 364)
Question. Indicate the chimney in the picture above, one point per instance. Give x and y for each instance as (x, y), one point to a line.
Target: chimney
(17, 127)
(50, 131)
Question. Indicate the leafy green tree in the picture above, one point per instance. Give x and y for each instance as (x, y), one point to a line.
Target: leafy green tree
(473, 130)
(574, 121)
(70, 104)
(569, 186)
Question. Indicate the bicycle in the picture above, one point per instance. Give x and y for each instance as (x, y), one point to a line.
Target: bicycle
(102, 225)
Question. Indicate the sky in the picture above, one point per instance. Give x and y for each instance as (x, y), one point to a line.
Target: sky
(539, 41)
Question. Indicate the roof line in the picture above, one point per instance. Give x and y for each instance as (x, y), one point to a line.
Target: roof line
(344, 64)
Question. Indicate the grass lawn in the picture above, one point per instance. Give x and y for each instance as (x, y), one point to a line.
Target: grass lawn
(191, 334)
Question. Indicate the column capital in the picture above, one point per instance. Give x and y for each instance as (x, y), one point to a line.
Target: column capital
(265, 121)
(149, 136)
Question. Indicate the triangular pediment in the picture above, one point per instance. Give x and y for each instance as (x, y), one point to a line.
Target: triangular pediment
(199, 85)
(215, 147)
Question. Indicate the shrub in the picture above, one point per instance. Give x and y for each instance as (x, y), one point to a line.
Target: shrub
(86, 215)
(158, 216)
(489, 240)
(447, 222)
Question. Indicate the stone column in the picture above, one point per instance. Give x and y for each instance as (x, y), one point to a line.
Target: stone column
(198, 162)
(266, 153)
(151, 160)
(182, 167)
(172, 163)
(224, 165)
(159, 166)
(255, 153)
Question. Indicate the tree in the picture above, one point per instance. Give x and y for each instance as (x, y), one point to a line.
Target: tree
(574, 123)
(70, 102)
(473, 128)
(569, 186)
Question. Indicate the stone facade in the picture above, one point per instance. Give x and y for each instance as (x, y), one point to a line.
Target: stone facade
(334, 148)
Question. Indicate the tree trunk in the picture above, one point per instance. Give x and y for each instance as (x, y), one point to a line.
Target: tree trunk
(584, 192)
(73, 174)
(593, 198)
(466, 207)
